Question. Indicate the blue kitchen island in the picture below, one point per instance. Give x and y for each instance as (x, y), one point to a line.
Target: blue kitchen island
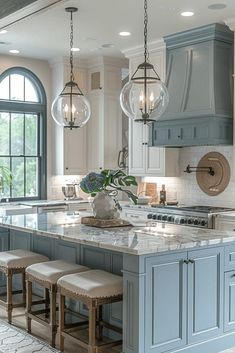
(179, 282)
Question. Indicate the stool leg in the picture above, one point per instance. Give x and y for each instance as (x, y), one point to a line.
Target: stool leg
(28, 304)
(9, 296)
(23, 288)
(92, 329)
(61, 321)
(47, 302)
(99, 318)
(53, 325)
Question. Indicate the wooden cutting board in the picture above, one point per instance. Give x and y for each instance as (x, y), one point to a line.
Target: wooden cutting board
(214, 184)
(104, 223)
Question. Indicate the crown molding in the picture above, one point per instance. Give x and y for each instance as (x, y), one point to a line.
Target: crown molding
(154, 46)
(30, 10)
(107, 60)
(230, 22)
(64, 60)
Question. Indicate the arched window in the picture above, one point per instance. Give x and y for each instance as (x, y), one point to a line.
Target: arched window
(23, 133)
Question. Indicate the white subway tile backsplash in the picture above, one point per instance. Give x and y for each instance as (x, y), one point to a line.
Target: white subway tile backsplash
(188, 191)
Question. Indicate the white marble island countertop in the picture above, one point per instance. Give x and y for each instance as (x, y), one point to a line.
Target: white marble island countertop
(130, 240)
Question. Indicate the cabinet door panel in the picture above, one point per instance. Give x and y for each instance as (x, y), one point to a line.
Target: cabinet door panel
(229, 301)
(166, 302)
(95, 136)
(229, 257)
(205, 294)
(75, 151)
(20, 240)
(137, 149)
(155, 158)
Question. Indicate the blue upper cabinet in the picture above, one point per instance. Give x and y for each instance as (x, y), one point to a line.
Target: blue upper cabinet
(199, 81)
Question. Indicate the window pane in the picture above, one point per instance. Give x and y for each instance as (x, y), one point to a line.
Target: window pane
(31, 134)
(31, 177)
(17, 87)
(4, 133)
(18, 177)
(5, 161)
(17, 134)
(4, 88)
(30, 92)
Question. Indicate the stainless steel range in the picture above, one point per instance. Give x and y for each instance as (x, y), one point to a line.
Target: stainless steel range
(194, 216)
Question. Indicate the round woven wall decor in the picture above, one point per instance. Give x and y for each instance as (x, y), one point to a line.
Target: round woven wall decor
(213, 184)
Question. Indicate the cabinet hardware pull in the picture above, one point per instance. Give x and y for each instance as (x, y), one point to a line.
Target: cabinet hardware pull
(186, 262)
(233, 275)
(191, 261)
(233, 230)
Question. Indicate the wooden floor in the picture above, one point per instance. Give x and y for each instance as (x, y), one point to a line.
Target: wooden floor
(41, 332)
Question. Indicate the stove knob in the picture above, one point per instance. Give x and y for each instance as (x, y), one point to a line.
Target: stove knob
(196, 222)
(203, 223)
(177, 220)
(190, 221)
(164, 218)
(154, 216)
(170, 219)
(150, 216)
(159, 217)
(182, 221)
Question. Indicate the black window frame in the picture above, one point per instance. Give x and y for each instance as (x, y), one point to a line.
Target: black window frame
(37, 108)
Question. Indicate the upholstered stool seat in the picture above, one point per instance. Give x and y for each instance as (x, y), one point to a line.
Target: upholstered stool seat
(14, 262)
(93, 288)
(47, 274)
(93, 284)
(20, 258)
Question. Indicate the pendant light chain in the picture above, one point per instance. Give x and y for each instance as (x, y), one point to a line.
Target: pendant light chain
(71, 46)
(71, 109)
(146, 53)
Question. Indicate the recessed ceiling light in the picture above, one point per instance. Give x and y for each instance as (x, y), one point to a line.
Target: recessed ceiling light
(217, 6)
(3, 31)
(124, 34)
(187, 13)
(75, 49)
(14, 51)
(107, 45)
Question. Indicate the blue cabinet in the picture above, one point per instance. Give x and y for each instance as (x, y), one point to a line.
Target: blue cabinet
(184, 299)
(4, 245)
(229, 301)
(205, 294)
(166, 302)
(20, 240)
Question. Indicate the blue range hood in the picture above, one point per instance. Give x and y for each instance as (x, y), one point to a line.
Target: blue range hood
(200, 85)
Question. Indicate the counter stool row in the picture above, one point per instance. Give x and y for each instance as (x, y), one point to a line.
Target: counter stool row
(93, 288)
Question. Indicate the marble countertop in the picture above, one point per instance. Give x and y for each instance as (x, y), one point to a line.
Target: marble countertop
(131, 240)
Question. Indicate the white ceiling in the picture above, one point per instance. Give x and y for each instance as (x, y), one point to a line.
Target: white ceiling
(46, 35)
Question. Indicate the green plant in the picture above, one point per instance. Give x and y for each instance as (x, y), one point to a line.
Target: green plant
(5, 176)
(108, 180)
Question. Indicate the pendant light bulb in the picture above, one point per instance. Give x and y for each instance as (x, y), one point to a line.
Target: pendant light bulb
(145, 97)
(71, 108)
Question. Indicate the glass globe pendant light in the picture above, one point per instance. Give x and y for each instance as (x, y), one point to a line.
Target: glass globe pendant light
(71, 109)
(145, 97)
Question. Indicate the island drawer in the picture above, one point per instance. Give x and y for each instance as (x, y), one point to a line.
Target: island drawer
(229, 258)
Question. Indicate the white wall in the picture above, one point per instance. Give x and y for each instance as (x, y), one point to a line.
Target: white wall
(42, 70)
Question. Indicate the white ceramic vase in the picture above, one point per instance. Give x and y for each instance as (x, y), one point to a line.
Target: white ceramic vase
(104, 206)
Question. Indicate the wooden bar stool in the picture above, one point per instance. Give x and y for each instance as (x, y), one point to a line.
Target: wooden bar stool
(93, 288)
(15, 262)
(46, 275)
